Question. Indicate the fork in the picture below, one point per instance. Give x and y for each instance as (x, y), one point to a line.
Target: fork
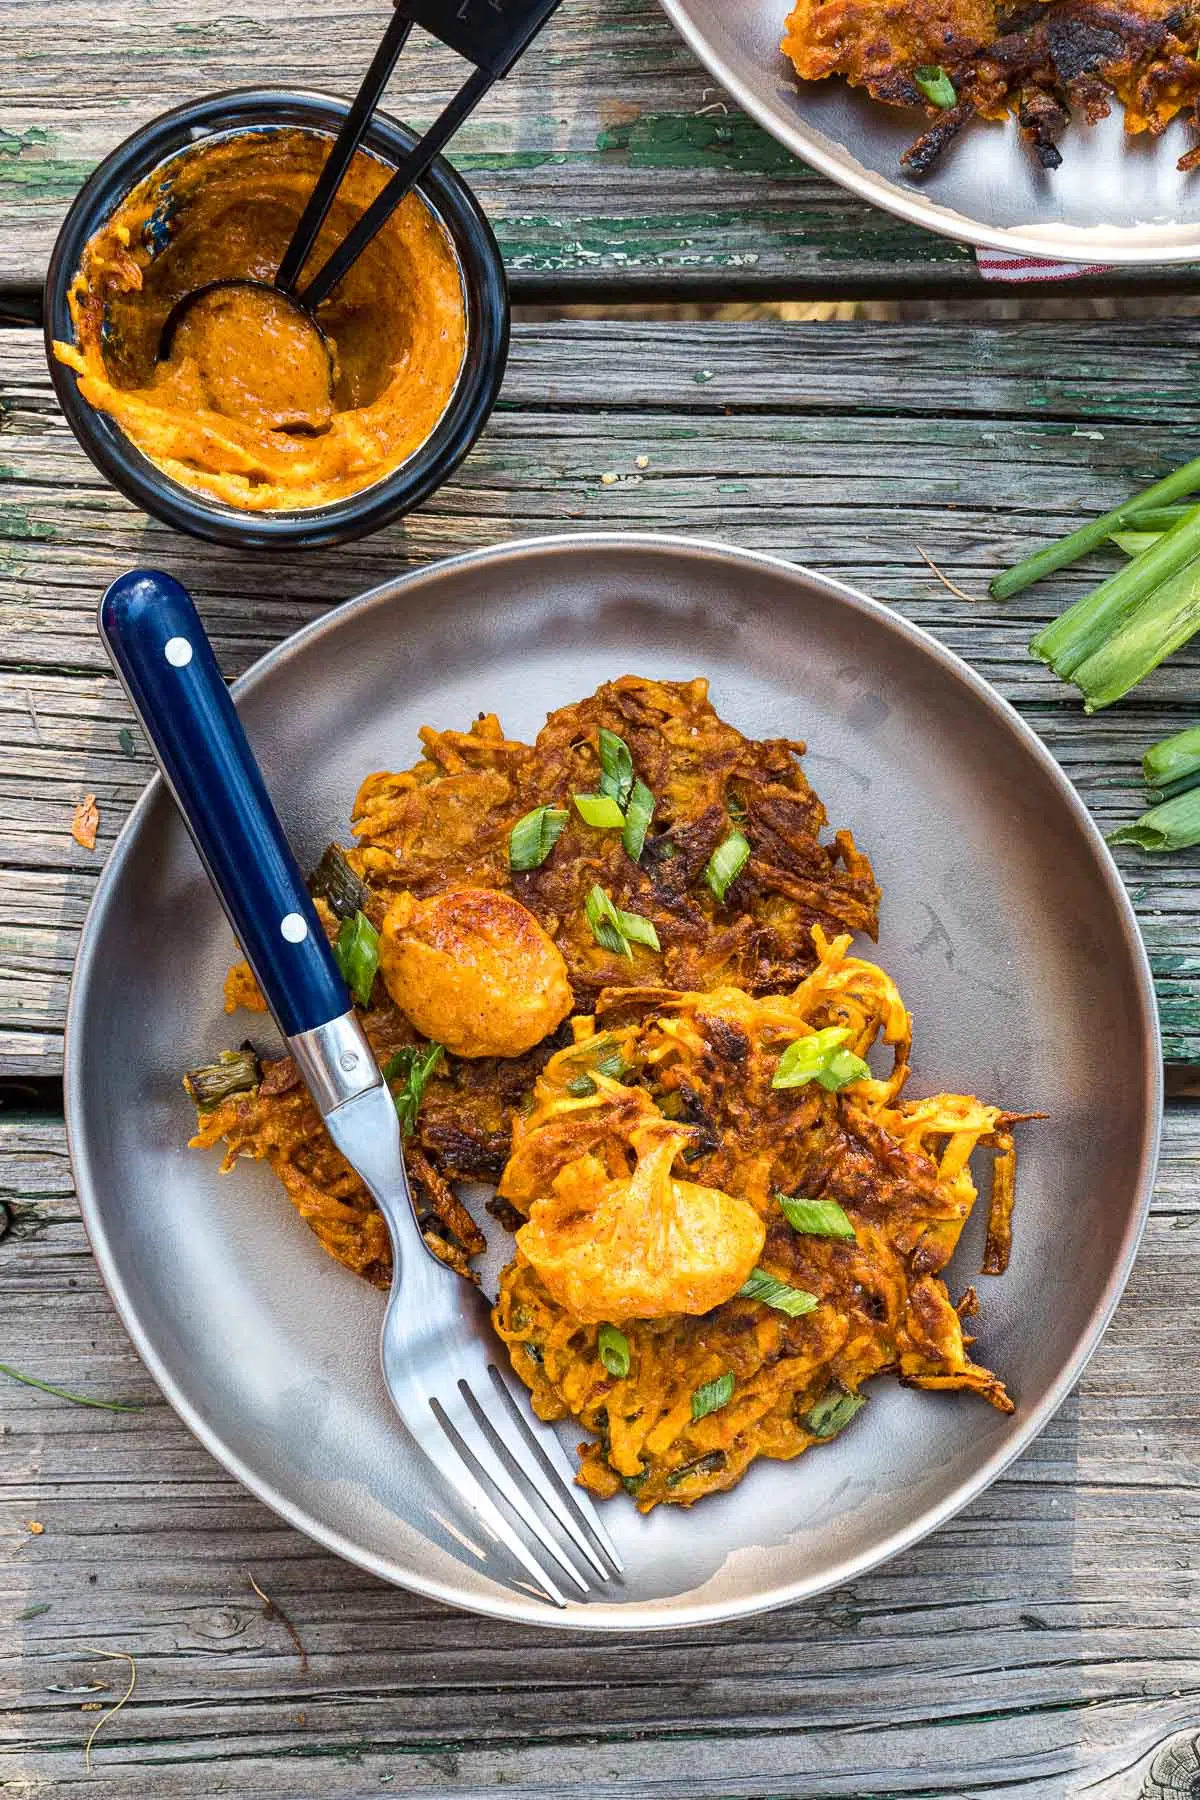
(439, 1353)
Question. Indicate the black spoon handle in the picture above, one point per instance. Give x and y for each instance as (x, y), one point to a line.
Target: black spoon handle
(345, 144)
(402, 182)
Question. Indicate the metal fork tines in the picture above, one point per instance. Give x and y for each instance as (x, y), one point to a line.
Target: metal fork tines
(439, 1356)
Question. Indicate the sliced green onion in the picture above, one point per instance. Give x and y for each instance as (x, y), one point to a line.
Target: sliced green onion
(816, 1218)
(234, 1072)
(581, 1086)
(616, 930)
(638, 815)
(604, 917)
(415, 1066)
(820, 1057)
(833, 1412)
(936, 85)
(633, 1483)
(600, 810)
(1174, 825)
(639, 930)
(726, 863)
(356, 954)
(713, 1395)
(1163, 621)
(616, 767)
(533, 838)
(1173, 760)
(1088, 626)
(1069, 549)
(793, 1301)
(613, 1346)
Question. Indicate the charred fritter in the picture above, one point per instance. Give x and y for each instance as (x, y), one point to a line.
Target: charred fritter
(1043, 62)
(860, 1197)
(487, 960)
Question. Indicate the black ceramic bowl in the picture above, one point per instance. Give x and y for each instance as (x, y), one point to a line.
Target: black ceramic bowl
(485, 287)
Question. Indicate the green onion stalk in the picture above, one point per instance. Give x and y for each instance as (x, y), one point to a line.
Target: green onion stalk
(1089, 626)
(1090, 536)
(1164, 618)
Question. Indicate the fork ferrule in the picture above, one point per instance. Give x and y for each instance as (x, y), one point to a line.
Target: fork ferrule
(335, 1061)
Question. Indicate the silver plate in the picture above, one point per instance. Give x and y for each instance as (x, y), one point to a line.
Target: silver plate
(1114, 200)
(1004, 921)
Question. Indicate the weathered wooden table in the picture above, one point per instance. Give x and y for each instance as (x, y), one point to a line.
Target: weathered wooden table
(1045, 1642)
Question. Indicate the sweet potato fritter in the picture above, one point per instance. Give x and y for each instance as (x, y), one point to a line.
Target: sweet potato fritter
(446, 824)
(898, 1169)
(1042, 61)
(443, 827)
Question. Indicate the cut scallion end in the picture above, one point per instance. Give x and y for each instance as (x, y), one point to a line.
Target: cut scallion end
(336, 883)
(1067, 550)
(1173, 759)
(1087, 626)
(1165, 619)
(599, 810)
(726, 864)
(533, 838)
(815, 1218)
(234, 1072)
(1173, 825)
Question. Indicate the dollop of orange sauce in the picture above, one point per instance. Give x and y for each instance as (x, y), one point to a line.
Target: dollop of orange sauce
(250, 406)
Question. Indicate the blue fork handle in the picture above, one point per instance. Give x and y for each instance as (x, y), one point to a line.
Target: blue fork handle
(159, 648)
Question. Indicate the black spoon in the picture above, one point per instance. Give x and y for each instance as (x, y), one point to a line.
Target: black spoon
(490, 34)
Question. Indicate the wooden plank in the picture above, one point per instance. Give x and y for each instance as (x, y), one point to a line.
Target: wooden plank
(841, 446)
(609, 157)
(1043, 1643)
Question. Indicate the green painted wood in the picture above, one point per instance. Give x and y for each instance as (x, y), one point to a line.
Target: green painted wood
(842, 446)
(609, 158)
(1041, 1645)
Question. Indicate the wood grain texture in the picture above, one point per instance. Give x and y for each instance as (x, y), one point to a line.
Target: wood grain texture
(609, 157)
(842, 446)
(1042, 1644)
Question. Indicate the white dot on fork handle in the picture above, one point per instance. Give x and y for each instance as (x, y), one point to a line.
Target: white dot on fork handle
(178, 652)
(293, 928)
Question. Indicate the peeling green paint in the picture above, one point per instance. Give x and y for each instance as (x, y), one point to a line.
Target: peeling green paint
(29, 160)
(728, 141)
(15, 522)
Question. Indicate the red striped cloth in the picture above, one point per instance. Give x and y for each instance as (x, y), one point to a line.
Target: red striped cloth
(1000, 265)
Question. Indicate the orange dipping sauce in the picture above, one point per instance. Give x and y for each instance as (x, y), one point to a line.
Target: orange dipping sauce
(249, 409)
